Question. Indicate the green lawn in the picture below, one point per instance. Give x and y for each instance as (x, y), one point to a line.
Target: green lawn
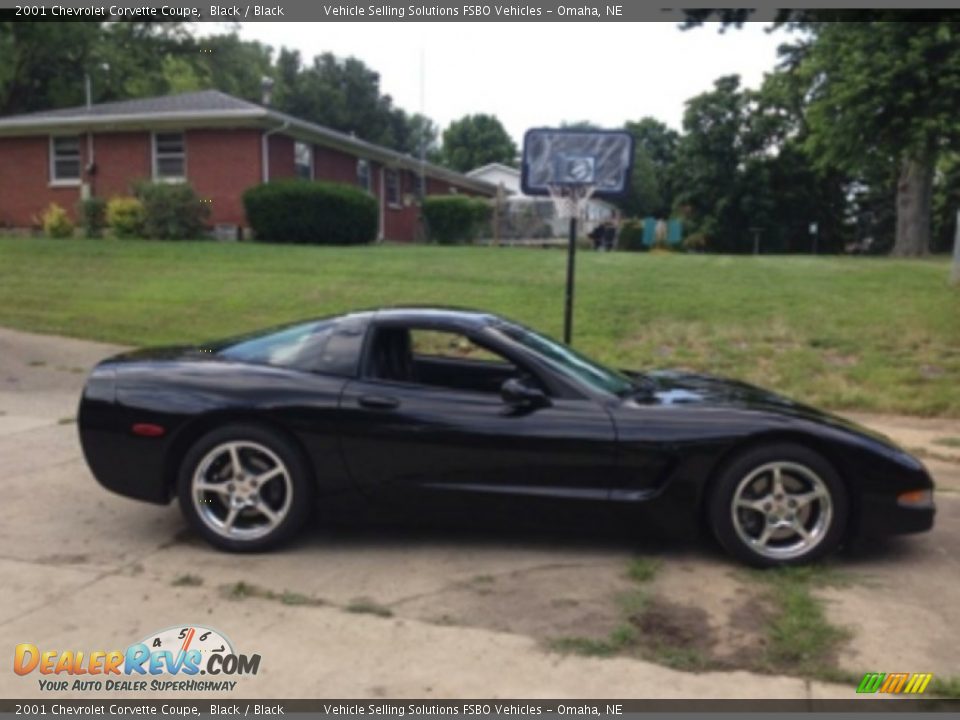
(874, 334)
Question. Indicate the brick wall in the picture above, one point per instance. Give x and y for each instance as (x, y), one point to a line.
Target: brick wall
(221, 164)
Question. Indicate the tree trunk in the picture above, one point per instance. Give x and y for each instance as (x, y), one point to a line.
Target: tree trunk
(914, 205)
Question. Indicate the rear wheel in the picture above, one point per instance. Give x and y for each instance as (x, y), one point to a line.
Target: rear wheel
(245, 488)
(780, 504)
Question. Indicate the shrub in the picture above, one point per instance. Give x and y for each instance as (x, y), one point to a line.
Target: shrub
(93, 216)
(125, 216)
(171, 211)
(56, 223)
(631, 235)
(695, 243)
(454, 218)
(319, 213)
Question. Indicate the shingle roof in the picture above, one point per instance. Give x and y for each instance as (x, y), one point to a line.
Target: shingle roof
(212, 108)
(200, 102)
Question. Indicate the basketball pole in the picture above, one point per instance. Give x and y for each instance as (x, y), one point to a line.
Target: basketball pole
(571, 267)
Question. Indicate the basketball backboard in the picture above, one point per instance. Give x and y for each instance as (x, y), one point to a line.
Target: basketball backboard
(601, 159)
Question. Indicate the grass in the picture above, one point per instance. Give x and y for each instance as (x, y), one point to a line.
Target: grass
(242, 590)
(945, 687)
(187, 580)
(643, 569)
(867, 333)
(952, 442)
(366, 606)
(801, 639)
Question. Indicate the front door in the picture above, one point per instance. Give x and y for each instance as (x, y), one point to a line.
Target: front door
(429, 418)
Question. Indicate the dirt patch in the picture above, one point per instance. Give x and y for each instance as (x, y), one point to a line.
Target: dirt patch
(541, 602)
(677, 635)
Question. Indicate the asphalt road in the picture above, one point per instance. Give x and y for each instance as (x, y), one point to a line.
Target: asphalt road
(370, 612)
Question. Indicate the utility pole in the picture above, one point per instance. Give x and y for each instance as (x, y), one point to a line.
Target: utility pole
(756, 239)
(955, 273)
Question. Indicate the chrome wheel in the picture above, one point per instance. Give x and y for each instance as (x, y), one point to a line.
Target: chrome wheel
(241, 490)
(782, 510)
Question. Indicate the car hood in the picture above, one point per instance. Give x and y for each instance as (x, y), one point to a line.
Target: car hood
(675, 387)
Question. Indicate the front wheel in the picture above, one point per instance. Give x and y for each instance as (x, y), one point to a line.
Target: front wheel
(245, 488)
(778, 505)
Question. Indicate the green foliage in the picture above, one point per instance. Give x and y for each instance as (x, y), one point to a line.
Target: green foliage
(319, 213)
(476, 140)
(93, 216)
(344, 94)
(125, 216)
(651, 187)
(171, 211)
(56, 223)
(452, 219)
(631, 235)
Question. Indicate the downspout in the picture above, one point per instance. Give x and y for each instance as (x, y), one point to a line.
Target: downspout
(383, 204)
(265, 149)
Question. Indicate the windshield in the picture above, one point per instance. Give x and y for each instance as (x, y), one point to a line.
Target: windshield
(569, 362)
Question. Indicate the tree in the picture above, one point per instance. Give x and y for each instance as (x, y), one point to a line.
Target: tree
(476, 140)
(709, 156)
(343, 94)
(655, 153)
(880, 88)
(43, 64)
(886, 91)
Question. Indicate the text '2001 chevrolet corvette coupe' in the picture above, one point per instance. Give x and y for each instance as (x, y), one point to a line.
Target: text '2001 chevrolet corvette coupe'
(423, 405)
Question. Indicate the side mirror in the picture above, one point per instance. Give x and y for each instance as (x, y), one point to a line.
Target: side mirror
(518, 394)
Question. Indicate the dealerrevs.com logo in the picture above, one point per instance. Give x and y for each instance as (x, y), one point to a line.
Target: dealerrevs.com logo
(168, 660)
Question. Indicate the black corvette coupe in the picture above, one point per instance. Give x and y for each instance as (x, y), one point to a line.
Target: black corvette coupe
(418, 405)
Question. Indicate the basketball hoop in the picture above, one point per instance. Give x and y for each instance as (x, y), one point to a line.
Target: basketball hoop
(571, 166)
(569, 201)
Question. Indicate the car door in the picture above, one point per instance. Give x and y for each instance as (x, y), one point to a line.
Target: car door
(402, 438)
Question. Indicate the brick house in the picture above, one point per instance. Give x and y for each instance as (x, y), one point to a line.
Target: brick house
(220, 144)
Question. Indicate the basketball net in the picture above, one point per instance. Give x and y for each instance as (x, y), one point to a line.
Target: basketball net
(570, 200)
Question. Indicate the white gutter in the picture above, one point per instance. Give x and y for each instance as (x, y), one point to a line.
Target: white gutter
(265, 148)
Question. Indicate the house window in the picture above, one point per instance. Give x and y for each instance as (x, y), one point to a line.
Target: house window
(65, 160)
(392, 182)
(363, 174)
(303, 160)
(169, 156)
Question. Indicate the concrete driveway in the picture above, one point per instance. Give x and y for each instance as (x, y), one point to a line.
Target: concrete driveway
(368, 612)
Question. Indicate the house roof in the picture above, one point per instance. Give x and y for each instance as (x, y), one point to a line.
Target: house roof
(483, 169)
(215, 109)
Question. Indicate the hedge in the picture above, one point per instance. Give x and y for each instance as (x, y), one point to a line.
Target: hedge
(171, 211)
(319, 213)
(631, 235)
(451, 219)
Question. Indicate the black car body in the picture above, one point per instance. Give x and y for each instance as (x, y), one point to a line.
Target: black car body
(373, 417)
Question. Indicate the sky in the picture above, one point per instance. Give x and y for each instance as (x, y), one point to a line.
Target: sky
(538, 74)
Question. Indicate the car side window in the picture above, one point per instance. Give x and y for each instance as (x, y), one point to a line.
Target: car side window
(441, 344)
(438, 358)
(325, 346)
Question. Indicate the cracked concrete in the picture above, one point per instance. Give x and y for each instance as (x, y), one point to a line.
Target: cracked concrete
(84, 569)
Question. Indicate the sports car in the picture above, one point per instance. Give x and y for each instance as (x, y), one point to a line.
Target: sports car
(418, 407)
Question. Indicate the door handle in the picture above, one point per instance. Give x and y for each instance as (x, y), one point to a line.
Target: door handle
(380, 402)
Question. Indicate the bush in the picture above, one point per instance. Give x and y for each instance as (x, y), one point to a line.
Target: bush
(56, 223)
(454, 218)
(93, 216)
(125, 216)
(695, 243)
(171, 211)
(319, 213)
(631, 235)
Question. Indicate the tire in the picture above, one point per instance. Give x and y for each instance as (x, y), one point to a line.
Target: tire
(762, 527)
(255, 509)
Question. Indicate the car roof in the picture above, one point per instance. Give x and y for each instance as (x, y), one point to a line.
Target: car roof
(447, 316)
